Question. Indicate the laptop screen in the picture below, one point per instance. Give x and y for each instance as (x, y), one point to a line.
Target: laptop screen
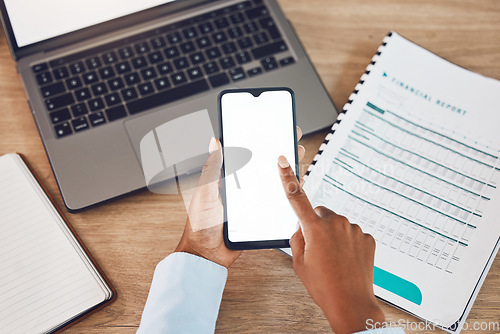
(36, 21)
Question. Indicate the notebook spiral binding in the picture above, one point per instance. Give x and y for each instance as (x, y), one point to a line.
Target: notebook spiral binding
(348, 104)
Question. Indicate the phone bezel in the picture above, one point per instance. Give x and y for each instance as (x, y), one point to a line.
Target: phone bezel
(257, 244)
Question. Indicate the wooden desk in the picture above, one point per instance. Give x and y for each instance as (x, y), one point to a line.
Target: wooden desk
(130, 236)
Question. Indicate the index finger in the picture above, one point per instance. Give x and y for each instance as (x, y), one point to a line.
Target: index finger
(294, 192)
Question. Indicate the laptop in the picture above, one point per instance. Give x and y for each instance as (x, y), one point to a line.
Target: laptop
(101, 75)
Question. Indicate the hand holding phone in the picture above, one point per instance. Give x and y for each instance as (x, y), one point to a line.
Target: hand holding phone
(257, 213)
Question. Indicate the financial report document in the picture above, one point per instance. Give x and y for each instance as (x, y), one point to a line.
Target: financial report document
(415, 162)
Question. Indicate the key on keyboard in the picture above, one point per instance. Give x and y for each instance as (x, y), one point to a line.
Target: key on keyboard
(133, 75)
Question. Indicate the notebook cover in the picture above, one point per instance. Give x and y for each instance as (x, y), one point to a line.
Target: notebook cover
(97, 307)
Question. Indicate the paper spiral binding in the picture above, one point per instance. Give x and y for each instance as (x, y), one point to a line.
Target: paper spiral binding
(349, 102)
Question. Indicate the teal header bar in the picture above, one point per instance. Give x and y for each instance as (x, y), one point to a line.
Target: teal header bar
(397, 285)
(374, 107)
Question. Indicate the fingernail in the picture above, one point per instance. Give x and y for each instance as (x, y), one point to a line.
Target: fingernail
(213, 145)
(283, 162)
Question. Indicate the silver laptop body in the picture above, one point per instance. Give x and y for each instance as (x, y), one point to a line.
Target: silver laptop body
(98, 162)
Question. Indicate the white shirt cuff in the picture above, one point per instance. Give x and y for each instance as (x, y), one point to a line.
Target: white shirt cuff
(185, 295)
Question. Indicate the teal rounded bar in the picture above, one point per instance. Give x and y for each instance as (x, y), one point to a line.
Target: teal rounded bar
(397, 285)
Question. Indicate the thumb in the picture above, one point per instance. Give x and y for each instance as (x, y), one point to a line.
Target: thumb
(297, 244)
(211, 169)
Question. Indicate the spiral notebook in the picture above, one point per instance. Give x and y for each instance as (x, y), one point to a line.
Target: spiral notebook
(414, 160)
(48, 280)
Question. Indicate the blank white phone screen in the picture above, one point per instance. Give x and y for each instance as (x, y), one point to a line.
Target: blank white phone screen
(256, 204)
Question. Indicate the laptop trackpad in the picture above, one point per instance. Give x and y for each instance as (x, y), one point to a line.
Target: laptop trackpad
(169, 145)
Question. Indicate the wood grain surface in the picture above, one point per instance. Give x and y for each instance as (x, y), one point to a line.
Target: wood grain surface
(128, 237)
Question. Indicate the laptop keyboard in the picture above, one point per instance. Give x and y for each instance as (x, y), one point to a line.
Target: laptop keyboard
(129, 76)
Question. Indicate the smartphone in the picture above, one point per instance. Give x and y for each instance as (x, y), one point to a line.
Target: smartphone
(257, 213)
